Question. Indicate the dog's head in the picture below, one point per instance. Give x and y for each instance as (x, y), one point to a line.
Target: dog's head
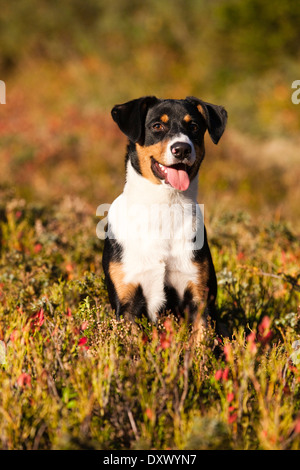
(167, 136)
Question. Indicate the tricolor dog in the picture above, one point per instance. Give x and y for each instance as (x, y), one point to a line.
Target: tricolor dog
(156, 256)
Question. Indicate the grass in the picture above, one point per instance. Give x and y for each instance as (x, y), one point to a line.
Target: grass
(74, 377)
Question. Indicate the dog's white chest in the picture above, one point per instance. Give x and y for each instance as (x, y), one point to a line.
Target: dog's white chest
(156, 236)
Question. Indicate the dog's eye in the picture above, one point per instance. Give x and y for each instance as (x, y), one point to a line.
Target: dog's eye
(158, 126)
(194, 127)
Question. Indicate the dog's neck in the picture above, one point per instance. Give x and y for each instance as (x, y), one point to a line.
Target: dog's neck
(140, 190)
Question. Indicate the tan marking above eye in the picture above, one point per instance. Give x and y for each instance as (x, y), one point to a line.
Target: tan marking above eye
(164, 118)
(187, 118)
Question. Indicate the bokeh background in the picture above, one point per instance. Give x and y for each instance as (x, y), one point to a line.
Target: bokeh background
(66, 64)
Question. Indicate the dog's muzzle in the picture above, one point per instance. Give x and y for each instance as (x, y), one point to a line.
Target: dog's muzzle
(181, 150)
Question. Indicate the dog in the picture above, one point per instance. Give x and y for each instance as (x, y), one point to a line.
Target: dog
(148, 274)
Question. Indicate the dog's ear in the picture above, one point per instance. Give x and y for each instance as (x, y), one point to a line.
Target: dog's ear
(214, 115)
(131, 116)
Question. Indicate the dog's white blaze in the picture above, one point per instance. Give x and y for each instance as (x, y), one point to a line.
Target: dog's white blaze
(148, 260)
(170, 159)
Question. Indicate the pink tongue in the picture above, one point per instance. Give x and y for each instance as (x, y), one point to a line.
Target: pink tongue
(179, 179)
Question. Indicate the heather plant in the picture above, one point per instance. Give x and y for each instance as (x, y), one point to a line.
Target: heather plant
(75, 377)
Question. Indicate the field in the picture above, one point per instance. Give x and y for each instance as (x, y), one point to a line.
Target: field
(72, 377)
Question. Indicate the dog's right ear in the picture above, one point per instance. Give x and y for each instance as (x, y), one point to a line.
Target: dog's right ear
(131, 116)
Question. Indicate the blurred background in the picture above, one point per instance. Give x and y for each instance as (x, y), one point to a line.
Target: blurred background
(66, 64)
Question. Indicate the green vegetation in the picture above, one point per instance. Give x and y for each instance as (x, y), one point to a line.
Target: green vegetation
(74, 377)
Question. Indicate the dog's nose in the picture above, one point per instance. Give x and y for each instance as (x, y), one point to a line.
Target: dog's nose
(181, 150)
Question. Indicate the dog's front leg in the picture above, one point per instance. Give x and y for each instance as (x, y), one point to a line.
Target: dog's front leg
(137, 293)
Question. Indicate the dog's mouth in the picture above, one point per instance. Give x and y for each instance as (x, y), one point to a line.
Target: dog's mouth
(176, 175)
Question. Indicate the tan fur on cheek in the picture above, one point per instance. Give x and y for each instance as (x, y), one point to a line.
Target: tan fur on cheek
(125, 291)
(157, 151)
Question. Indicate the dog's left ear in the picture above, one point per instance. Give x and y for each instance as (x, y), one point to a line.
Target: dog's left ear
(214, 115)
(131, 116)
